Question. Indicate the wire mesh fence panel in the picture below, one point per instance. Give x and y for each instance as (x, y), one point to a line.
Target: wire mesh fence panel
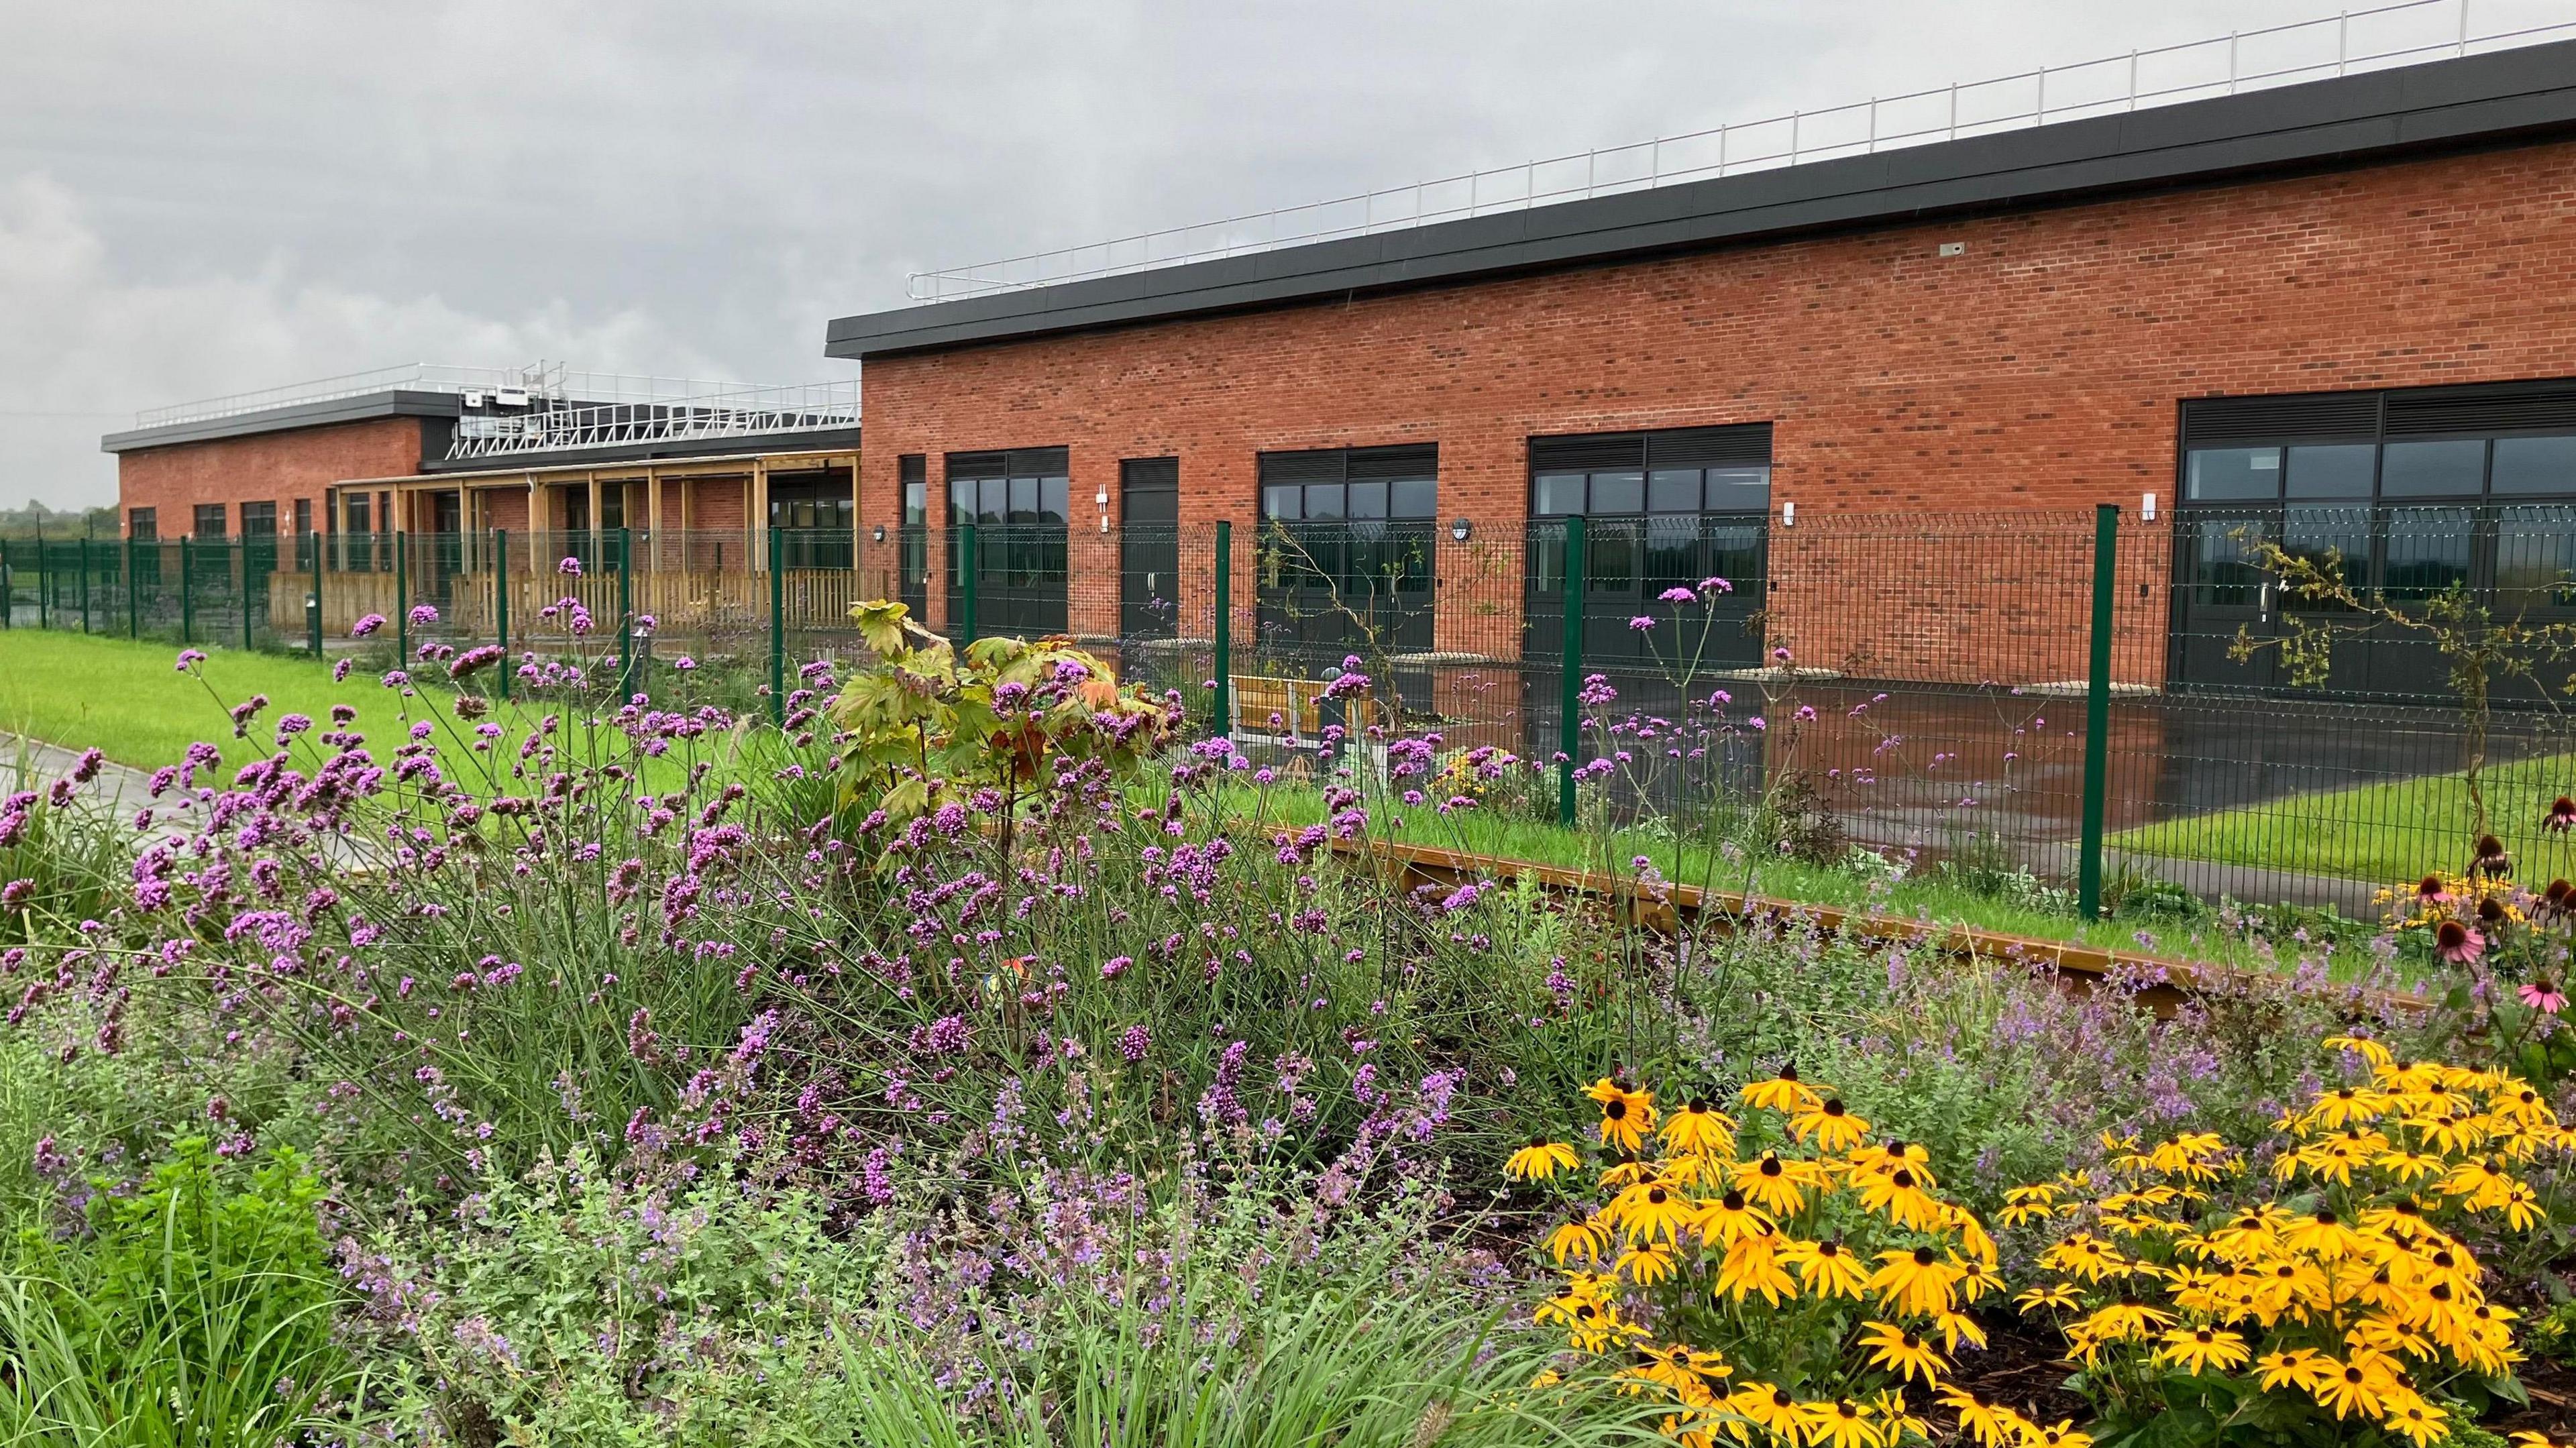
(2302, 703)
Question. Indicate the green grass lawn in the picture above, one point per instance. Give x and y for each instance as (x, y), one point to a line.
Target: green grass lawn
(1927, 896)
(127, 698)
(2382, 833)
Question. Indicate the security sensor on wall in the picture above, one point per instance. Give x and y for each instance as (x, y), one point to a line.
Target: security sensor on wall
(2147, 507)
(1788, 515)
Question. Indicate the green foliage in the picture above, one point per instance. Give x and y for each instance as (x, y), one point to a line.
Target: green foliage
(197, 1312)
(574, 1306)
(927, 727)
(1345, 1366)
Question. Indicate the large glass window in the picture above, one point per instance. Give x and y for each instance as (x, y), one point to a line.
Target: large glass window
(2413, 494)
(1662, 510)
(1347, 542)
(143, 525)
(2333, 471)
(2228, 474)
(2449, 469)
(210, 520)
(1018, 501)
(2534, 465)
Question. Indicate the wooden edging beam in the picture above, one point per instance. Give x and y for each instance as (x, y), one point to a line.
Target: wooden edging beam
(1662, 907)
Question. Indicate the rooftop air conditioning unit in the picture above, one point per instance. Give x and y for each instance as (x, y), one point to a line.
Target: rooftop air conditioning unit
(511, 397)
(473, 397)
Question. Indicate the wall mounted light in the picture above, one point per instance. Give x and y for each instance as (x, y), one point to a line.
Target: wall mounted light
(1461, 529)
(1788, 515)
(2147, 508)
(880, 533)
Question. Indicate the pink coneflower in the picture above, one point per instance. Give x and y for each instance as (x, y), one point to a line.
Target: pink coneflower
(2542, 995)
(2561, 816)
(2429, 888)
(2457, 943)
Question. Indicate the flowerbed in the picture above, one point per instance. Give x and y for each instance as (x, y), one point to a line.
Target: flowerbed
(975, 1059)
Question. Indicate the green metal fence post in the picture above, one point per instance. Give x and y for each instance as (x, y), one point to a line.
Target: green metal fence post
(84, 584)
(187, 591)
(2097, 713)
(402, 603)
(44, 585)
(969, 557)
(243, 548)
(1569, 729)
(8, 588)
(1225, 629)
(313, 601)
(777, 628)
(625, 614)
(133, 604)
(500, 603)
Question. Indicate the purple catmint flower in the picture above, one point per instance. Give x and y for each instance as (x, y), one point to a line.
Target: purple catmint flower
(1641, 623)
(189, 659)
(1135, 1042)
(367, 626)
(340, 670)
(569, 568)
(1677, 595)
(1116, 966)
(474, 660)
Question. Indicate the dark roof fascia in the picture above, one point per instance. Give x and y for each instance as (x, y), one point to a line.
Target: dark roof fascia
(820, 440)
(364, 408)
(2487, 99)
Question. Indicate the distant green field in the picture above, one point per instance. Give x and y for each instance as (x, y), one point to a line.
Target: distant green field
(2383, 833)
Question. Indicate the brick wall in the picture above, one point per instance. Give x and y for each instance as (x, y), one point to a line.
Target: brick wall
(277, 467)
(2041, 368)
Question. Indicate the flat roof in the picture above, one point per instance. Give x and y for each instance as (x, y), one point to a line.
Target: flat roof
(366, 407)
(462, 475)
(667, 449)
(406, 403)
(2470, 102)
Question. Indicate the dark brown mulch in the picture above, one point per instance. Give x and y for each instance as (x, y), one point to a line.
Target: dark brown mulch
(2021, 1368)
(2552, 1387)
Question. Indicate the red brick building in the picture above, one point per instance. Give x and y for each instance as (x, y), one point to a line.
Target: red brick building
(2355, 294)
(431, 450)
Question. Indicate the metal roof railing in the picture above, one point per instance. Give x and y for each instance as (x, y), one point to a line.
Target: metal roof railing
(736, 412)
(2355, 40)
(543, 382)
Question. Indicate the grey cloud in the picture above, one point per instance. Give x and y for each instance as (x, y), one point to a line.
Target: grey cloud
(198, 199)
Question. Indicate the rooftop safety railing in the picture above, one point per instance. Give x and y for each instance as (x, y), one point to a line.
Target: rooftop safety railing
(736, 412)
(534, 385)
(2355, 40)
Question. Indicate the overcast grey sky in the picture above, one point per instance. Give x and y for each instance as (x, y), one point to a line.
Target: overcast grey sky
(205, 197)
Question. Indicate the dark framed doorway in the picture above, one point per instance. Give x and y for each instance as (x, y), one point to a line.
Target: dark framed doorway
(1149, 548)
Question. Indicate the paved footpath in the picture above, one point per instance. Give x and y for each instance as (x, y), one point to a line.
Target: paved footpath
(34, 764)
